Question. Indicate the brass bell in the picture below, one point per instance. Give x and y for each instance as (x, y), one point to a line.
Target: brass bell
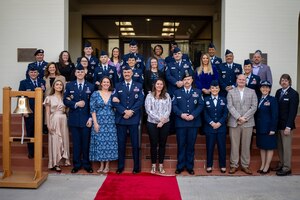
(22, 106)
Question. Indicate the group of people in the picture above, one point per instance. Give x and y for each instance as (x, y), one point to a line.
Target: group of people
(102, 101)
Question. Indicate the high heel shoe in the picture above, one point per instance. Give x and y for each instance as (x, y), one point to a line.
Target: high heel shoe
(57, 168)
(153, 169)
(106, 170)
(265, 172)
(161, 169)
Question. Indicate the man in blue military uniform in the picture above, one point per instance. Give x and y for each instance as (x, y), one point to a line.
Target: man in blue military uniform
(77, 98)
(176, 70)
(215, 116)
(29, 84)
(128, 99)
(228, 73)
(88, 52)
(170, 58)
(252, 81)
(133, 49)
(137, 72)
(216, 61)
(39, 63)
(187, 105)
(104, 69)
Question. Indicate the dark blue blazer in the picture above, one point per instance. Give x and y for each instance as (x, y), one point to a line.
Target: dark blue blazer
(140, 61)
(27, 85)
(266, 116)
(41, 69)
(254, 83)
(287, 108)
(78, 116)
(191, 103)
(215, 114)
(227, 76)
(204, 80)
(111, 73)
(132, 100)
(175, 73)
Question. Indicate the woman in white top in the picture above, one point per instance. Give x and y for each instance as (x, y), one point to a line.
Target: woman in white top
(158, 107)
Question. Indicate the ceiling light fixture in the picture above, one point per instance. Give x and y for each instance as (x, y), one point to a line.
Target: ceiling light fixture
(169, 30)
(123, 23)
(148, 19)
(172, 24)
(126, 29)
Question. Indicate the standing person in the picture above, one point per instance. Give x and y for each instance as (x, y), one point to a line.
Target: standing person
(39, 63)
(51, 75)
(216, 61)
(128, 100)
(103, 145)
(187, 105)
(65, 65)
(137, 72)
(116, 60)
(133, 49)
(152, 75)
(29, 84)
(77, 98)
(205, 74)
(242, 104)
(104, 69)
(266, 118)
(288, 101)
(158, 106)
(157, 53)
(252, 81)
(93, 61)
(89, 73)
(170, 58)
(259, 69)
(229, 72)
(215, 116)
(58, 133)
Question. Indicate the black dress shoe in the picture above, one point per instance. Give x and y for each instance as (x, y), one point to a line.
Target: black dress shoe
(89, 170)
(265, 172)
(283, 173)
(209, 170)
(178, 171)
(259, 171)
(223, 171)
(190, 171)
(119, 171)
(136, 171)
(74, 170)
(30, 156)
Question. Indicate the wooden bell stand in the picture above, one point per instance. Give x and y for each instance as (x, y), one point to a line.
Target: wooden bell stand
(22, 179)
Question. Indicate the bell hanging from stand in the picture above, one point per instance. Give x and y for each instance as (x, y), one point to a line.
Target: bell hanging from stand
(23, 106)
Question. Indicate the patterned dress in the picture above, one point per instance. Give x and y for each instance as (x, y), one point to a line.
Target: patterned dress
(103, 144)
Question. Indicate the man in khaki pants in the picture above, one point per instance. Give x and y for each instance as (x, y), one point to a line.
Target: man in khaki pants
(242, 104)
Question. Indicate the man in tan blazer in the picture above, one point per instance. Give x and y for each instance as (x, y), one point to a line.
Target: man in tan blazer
(242, 104)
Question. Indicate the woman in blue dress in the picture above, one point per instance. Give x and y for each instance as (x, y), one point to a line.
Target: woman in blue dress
(205, 74)
(266, 118)
(103, 144)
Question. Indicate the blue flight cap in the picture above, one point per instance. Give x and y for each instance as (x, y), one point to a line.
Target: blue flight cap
(187, 74)
(38, 51)
(176, 50)
(103, 53)
(211, 45)
(126, 67)
(228, 52)
(247, 62)
(79, 67)
(131, 55)
(265, 83)
(133, 43)
(87, 44)
(214, 83)
(33, 68)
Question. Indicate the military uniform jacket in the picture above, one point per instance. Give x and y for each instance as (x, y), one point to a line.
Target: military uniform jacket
(227, 76)
(78, 116)
(191, 103)
(129, 100)
(215, 114)
(287, 108)
(93, 63)
(27, 85)
(216, 61)
(136, 77)
(140, 61)
(254, 83)
(170, 58)
(111, 73)
(266, 116)
(41, 68)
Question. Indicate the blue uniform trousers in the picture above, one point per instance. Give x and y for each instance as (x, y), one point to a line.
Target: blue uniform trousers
(186, 139)
(134, 138)
(211, 140)
(81, 145)
(29, 123)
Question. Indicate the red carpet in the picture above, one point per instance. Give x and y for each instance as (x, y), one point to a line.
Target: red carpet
(142, 186)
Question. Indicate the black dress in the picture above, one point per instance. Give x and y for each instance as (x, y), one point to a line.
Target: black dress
(150, 78)
(66, 70)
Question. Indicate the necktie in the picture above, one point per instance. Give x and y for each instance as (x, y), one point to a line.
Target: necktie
(127, 86)
(35, 84)
(105, 68)
(80, 87)
(261, 100)
(281, 94)
(247, 80)
(187, 92)
(215, 101)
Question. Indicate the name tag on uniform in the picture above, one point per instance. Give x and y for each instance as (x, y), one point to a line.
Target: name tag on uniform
(286, 99)
(172, 67)
(120, 91)
(71, 91)
(99, 72)
(178, 97)
(28, 90)
(267, 103)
